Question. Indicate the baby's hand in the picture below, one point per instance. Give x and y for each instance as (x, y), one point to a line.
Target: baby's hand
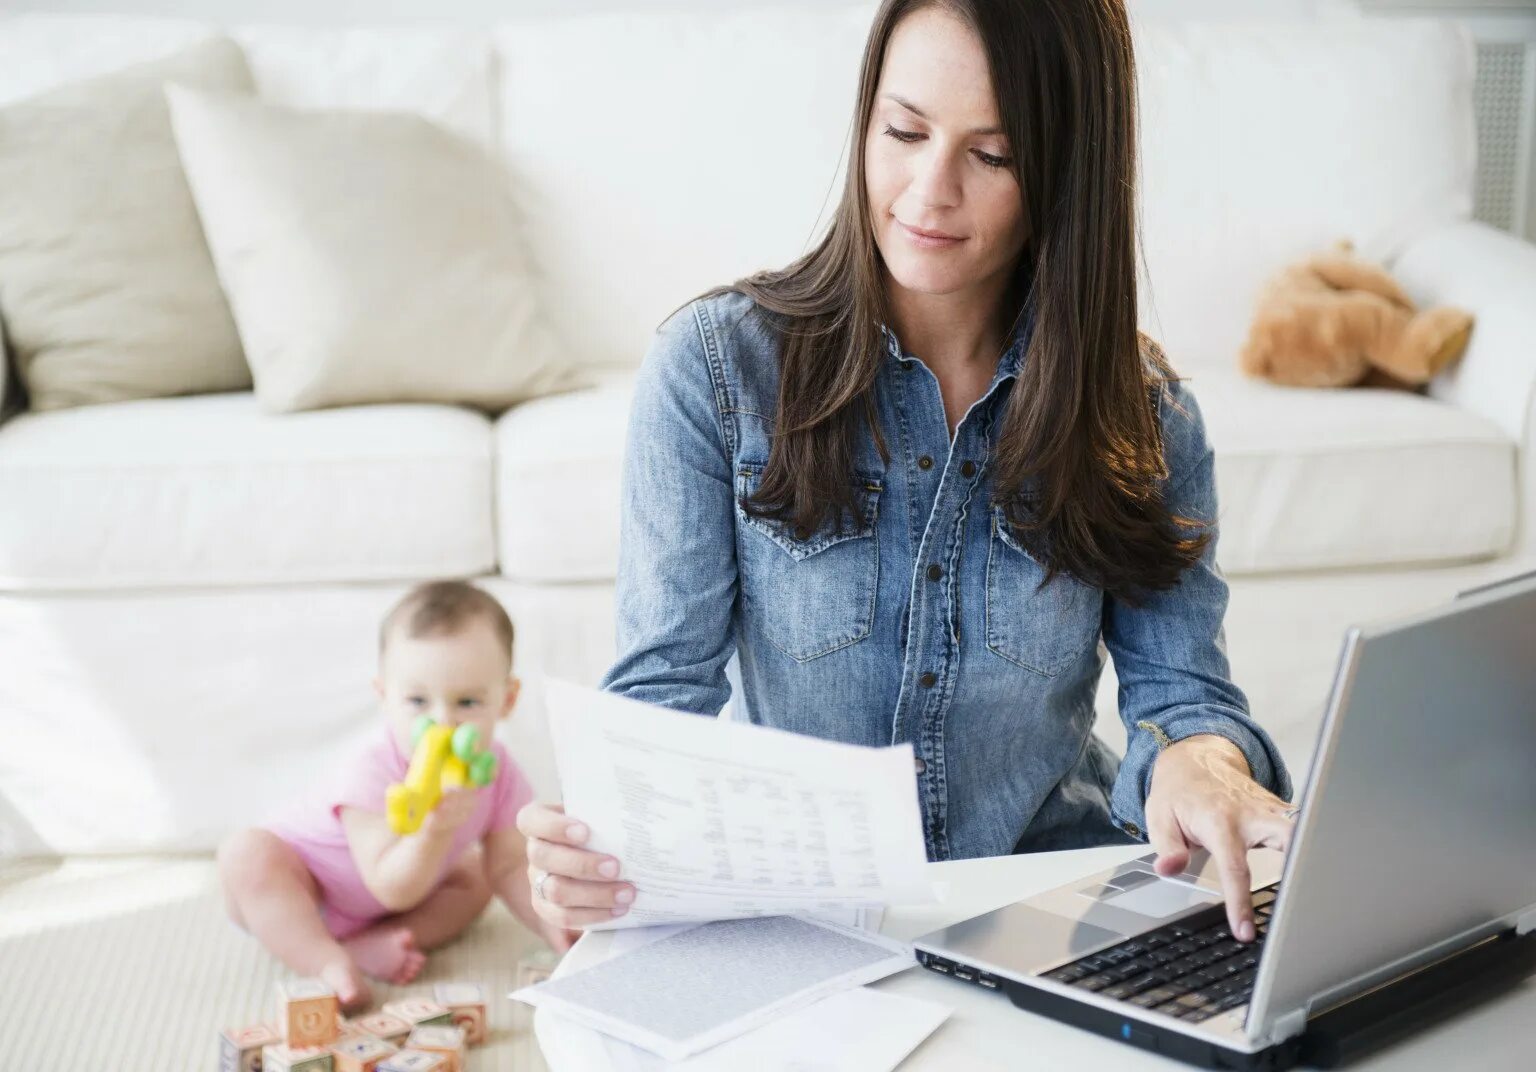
(452, 811)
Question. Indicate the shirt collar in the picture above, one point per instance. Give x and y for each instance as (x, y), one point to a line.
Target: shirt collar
(1007, 365)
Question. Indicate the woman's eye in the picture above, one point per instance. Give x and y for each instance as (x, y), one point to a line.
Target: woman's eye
(469, 703)
(986, 158)
(415, 701)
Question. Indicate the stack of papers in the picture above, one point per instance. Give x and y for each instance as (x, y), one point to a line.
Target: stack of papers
(726, 820)
(758, 993)
(761, 862)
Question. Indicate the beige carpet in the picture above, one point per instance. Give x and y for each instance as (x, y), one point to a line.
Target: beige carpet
(130, 964)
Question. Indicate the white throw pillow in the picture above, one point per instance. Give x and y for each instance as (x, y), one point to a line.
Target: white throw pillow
(108, 289)
(367, 256)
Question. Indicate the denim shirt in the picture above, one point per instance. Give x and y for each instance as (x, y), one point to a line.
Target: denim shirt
(921, 622)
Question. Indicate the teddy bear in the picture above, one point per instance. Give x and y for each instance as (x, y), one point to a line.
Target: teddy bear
(1337, 320)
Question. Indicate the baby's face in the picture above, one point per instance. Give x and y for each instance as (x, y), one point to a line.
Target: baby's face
(453, 678)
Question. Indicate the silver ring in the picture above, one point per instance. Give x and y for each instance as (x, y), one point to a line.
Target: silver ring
(1291, 813)
(538, 887)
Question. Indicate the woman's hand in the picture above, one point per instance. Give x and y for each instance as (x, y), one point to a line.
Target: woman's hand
(1203, 796)
(580, 888)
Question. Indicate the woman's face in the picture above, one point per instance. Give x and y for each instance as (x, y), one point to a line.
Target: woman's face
(935, 161)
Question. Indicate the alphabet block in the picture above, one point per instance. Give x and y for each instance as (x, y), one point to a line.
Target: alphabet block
(414, 1061)
(436, 1038)
(466, 1002)
(240, 1047)
(419, 1012)
(361, 1053)
(280, 1058)
(308, 1013)
(383, 1025)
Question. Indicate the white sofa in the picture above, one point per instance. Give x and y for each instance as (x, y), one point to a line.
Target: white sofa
(189, 587)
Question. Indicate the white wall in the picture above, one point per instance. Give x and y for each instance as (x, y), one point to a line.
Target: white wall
(376, 11)
(1489, 19)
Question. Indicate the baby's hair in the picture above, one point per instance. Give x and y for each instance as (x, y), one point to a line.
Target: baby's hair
(437, 608)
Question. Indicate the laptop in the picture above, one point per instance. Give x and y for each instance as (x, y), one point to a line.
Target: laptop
(1409, 890)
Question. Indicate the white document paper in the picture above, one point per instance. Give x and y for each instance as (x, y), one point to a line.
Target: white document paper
(727, 820)
(858, 1030)
(706, 984)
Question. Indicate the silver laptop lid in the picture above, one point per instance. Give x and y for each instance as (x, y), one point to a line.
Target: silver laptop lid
(1418, 825)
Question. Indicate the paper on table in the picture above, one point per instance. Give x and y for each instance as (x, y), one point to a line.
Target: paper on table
(858, 1030)
(727, 820)
(706, 984)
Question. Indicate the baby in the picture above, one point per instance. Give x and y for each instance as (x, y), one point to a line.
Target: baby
(333, 891)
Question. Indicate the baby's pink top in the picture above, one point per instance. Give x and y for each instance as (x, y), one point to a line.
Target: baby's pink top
(317, 834)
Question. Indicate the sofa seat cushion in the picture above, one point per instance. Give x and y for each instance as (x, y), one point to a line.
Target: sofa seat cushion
(1319, 479)
(1306, 479)
(210, 490)
(558, 466)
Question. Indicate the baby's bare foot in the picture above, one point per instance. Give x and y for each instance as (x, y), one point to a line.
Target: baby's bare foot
(350, 986)
(387, 952)
(415, 960)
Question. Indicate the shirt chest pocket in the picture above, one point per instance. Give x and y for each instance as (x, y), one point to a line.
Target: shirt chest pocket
(1044, 630)
(809, 593)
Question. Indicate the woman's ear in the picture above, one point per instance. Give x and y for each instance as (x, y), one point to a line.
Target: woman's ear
(514, 686)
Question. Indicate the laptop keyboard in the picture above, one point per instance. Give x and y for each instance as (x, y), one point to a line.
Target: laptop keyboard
(1192, 970)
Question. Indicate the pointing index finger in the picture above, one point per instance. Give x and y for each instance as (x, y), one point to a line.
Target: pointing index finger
(1231, 858)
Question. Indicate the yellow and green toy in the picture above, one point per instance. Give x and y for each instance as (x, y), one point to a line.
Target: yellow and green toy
(445, 757)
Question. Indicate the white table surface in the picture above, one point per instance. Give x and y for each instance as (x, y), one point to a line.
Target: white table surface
(987, 1032)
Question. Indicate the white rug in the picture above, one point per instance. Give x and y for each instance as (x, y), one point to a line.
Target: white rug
(131, 964)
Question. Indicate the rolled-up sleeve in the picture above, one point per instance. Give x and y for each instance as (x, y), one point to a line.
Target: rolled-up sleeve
(676, 585)
(1170, 653)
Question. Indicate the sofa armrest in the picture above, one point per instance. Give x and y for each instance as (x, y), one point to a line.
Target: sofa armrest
(1492, 275)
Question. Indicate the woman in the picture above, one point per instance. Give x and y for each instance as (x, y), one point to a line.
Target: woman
(914, 478)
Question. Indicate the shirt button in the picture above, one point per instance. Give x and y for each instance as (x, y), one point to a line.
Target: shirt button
(927, 681)
(925, 462)
(968, 470)
(921, 766)
(1133, 830)
(934, 573)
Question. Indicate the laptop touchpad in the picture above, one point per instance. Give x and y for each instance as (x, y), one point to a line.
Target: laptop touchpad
(1157, 899)
(1018, 938)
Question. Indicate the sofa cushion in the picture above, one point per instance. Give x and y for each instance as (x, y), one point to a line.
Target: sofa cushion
(1306, 479)
(558, 464)
(212, 491)
(441, 71)
(728, 181)
(1312, 478)
(420, 291)
(108, 288)
(1377, 113)
(1371, 138)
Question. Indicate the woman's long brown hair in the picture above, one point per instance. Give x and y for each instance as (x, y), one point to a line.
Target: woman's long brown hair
(1082, 419)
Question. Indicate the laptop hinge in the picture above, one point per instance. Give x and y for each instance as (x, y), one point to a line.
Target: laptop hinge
(1288, 1025)
(1526, 923)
